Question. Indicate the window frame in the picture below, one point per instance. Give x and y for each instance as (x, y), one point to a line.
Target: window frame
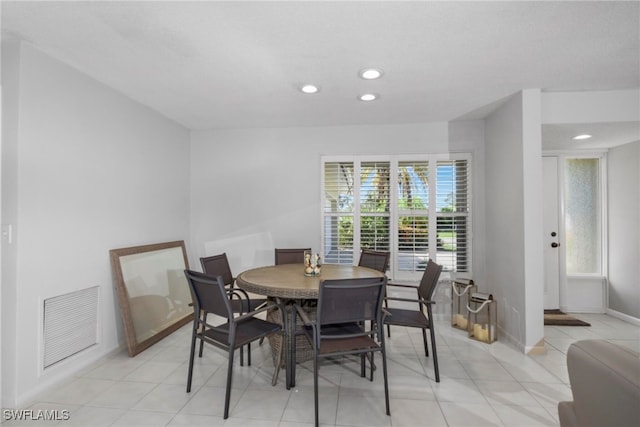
(601, 156)
(394, 212)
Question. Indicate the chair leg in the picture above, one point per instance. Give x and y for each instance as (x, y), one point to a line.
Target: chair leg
(424, 340)
(241, 356)
(204, 321)
(386, 379)
(192, 354)
(373, 363)
(432, 332)
(363, 365)
(435, 354)
(315, 388)
(201, 348)
(249, 354)
(227, 395)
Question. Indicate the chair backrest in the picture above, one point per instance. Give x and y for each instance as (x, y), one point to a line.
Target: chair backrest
(429, 280)
(217, 265)
(350, 300)
(290, 256)
(377, 260)
(209, 294)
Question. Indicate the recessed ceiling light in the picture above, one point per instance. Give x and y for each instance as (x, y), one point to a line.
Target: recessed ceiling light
(368, 97)
(371, 73)
(584, 136)
(309, 89)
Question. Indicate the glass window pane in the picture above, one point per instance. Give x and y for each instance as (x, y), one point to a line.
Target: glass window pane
(452, 243)
(413, 243)
(413, 186)
(338, 212)
(338, 239)
(338, 187)
(452, 185)
(374, 187)
(582, 216)
(374, 205)
(374, 232)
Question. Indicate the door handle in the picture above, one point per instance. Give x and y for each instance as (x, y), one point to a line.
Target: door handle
(555, 244)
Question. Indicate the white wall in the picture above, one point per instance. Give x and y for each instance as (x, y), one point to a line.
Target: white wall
(85, 170)
(267, 180)
(513, 179)
(624, 229)
(591, 107)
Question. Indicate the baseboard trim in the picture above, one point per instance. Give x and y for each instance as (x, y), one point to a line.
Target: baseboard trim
(536, 350)
(624, 317)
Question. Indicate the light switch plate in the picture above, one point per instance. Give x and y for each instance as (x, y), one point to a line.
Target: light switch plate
(7, 231)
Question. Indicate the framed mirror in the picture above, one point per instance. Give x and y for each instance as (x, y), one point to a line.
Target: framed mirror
(152, 291)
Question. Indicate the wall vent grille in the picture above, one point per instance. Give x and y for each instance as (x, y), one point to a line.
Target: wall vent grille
(70, 324)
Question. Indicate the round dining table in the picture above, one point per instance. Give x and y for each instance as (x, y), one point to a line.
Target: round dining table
(288, 283)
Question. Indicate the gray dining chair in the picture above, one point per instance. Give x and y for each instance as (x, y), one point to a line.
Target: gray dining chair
(290, 256)
(345, 308)
(210, 296)
(416, 317)
(377, 260)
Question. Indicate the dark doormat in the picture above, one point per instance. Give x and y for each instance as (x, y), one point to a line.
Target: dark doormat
(559, 318)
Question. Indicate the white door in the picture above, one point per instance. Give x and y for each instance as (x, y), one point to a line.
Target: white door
(551, 233)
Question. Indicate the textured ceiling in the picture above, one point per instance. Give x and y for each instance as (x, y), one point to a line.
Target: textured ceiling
(209, 64)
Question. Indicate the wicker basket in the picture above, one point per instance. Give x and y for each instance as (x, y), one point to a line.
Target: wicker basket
(304, 350)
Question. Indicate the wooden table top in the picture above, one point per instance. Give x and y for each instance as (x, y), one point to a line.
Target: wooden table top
(289, 280)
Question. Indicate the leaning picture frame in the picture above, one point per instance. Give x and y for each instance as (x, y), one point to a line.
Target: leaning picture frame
(153, 292)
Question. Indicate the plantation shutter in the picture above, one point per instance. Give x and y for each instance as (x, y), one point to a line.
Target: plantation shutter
(452, 210)
(375, 194)
(338, 212)
(412, 251)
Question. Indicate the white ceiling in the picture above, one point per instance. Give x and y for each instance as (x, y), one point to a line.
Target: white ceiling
(214, 64)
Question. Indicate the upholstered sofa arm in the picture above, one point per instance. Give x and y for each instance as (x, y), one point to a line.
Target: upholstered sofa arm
(605, 382)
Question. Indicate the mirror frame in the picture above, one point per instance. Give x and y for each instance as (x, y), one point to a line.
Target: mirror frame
(133, 345)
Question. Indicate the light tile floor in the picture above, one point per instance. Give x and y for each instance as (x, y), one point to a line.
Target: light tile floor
(481, 385)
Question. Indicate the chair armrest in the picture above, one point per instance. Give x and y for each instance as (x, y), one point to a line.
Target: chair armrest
(418, 300)
(253, 313)
(240, 293)
(402, 285)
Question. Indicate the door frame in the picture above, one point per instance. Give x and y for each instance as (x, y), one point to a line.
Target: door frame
(567, 300)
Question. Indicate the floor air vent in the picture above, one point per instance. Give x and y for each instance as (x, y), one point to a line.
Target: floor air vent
(70, 324)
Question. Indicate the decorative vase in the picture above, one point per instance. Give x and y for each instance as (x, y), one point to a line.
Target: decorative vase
(311, 263)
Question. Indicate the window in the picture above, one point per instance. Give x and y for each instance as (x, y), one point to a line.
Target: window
(338, 212)
(412, 248)
(414, 207)
(583, 234)
(452, 211)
